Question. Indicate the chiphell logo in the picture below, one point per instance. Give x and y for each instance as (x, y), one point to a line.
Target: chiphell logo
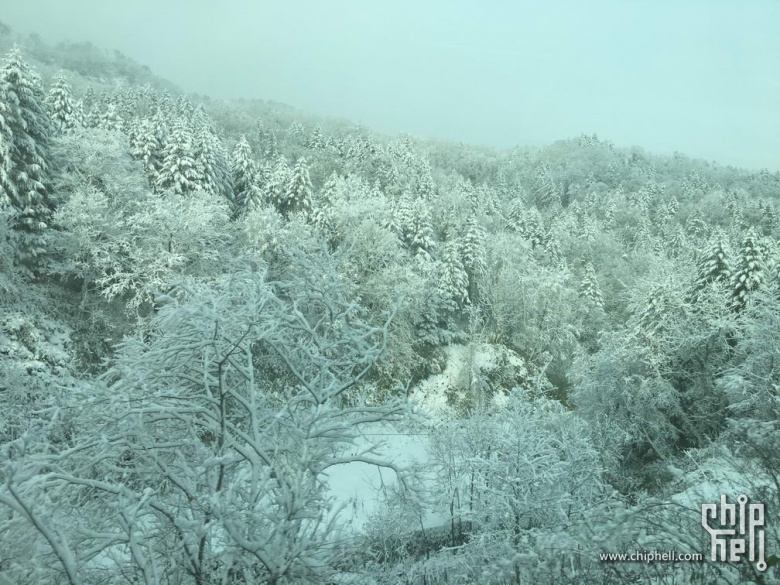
(735, 529)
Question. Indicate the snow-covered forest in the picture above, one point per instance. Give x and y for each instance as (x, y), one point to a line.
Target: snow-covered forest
(241, 344)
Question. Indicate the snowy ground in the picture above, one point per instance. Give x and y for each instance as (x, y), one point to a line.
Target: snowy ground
(358, 487)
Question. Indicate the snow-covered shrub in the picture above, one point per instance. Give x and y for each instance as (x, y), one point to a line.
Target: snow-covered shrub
(184, 463)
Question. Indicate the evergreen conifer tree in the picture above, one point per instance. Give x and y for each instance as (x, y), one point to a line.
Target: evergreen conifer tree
(545, 191)
(610, 209)
(473, 253)
(109, 119)
(179, 170)
(454, 282)
(243, 168)
(275, 186)
(651, 317)
(299, 191)
(25, 127)
(695, 226)
(769, 218)
(714, 265)
(65, 111)
(750, 272)
(212, 162)
(412, 223)
(317, 139)
(590, 289)
(678, 241)
(145, 147)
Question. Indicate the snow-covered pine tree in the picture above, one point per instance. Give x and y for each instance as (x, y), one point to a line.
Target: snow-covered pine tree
(179, 170)
(296, 130)
(473, 254)
(735, 203)
(316, 139)
(88, 99)
(299, 191)
(24, 142)
(145, 147)
(515, 214)
(322, 216)
(651, 317)
(678, 241)
(65, 111)
(590, 289)
(93, 107)
(402, 218)
(212, 161)
(274, 189)
(527, 222)
(422, 241)
(769, 218)
(750, 272)
(184, 108)
(695, 226)
(551, 247)
(643, 199)
(412, 223)
(424, 183)
(545, 191)
(672, 206)
(266, 139)
(488, 198)
(694, 186)
(453, 282)
(109, 119)
(610, 209)
(246, 193)
(664, 211)
(713, 265)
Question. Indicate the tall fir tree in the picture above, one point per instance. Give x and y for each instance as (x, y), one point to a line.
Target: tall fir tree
(453, 282)
(212, 162)
(677, 242)
(412, 223)
(768, 218)
(714, 265)
(317, 139)
(696, 226)
(246, 193)
(110, 119)
(750, 271)
(179, 171)
(145, 147)
(651, 317)
(545, 191)
(266, 140)
(590, 289)
(473, 254)
(274, 187)
(24, 142)
(299, 191)
(66, 114)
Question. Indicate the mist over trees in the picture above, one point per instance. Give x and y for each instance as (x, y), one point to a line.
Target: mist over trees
(206, 308)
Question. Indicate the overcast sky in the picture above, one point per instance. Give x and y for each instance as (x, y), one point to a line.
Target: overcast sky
(697, 76)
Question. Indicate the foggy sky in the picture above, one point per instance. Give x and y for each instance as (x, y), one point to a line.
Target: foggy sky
(697, 76)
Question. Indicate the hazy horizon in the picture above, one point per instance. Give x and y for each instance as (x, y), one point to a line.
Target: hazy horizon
(698, 79)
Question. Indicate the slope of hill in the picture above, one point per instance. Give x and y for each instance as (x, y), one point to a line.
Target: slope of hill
(209, 308)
